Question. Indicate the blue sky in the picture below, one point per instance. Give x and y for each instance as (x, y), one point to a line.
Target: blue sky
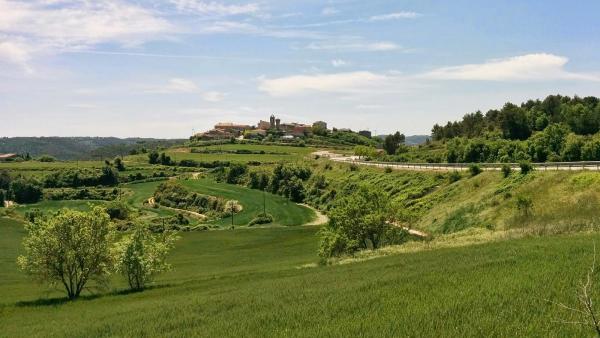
(161, 68)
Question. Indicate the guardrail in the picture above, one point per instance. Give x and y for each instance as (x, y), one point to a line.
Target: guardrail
(582, 165)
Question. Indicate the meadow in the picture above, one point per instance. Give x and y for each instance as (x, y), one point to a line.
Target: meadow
(263, 282)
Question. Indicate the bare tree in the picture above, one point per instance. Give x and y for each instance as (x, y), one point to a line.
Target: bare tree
(585, 309)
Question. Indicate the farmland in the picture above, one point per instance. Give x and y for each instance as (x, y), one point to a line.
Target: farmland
(487, 269)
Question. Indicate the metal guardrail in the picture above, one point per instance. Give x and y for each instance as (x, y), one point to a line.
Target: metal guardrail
(582, 165)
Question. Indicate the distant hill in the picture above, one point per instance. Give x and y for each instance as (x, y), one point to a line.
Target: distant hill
(79, 148)
(412, 140)
(416, 139)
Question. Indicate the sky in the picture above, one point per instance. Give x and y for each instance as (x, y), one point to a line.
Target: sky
(168, 68)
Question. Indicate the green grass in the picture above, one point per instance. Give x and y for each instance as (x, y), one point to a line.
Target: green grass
(284, 211)
(248, 283)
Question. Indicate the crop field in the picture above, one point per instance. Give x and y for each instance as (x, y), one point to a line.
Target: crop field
(261, 282)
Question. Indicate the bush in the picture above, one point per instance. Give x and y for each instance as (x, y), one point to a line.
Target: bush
(33, 215)
(506, 170)
(261, 219)
(524, 205)
(388, 170)
(118, 210)
(353, 167)
(526, 167)
(454, 176)
(3, 197)
(47, 158)
(474, 170)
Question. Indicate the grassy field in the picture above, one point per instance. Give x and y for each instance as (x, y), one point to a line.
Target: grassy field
(284, 211)
(250, 282)
(273, 154)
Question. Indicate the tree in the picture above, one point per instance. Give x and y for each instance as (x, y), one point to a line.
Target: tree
(358, 221)
(365, 151)
(5, 179)
(2, 197)
(109, 176)
(232, 207)
(119, 164)
(26, 190)
(153, 157)
(391, 143)
(142, 255)
(164, 159)
(70, 248)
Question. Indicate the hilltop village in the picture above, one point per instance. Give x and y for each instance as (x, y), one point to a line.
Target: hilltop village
(228, 130)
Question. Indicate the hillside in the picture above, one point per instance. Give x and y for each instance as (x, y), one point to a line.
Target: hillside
(78, 148)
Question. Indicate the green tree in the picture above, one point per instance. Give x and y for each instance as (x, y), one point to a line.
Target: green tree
(2, 197)
(153, 157)
(572, 148)
(142, 255)
(26, 190)
(391, 143)
(119, 164)
(365, 151)
(357, 221)
(70, 248)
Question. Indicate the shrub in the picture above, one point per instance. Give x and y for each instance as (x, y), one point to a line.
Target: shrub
(118, 210)
(506, 170)
(119, 164)
(261, 219)
(3, 197)
(454, 176)
(526, 167)
(33, 215)
(47, 158)
(474, 170)
(388, 170)
(70, 249)
(353, 167)
(524, 205)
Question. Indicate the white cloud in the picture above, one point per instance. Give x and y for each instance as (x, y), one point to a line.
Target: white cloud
(395, 16)
(329, 11)
(186, 86)
(537, 67)
(215, 8)
(339, 63)
(213, 96)
(329, 83)
(178, 85)
(354, 46)
(42, 26)
(16, 53)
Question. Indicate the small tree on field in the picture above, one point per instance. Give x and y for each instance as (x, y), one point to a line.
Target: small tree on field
(526, 167)
(70, 248)
(232, 207)
(153, 157)
(119, 164)
(142, 255)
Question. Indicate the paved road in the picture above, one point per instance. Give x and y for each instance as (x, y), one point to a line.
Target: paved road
(549, 166)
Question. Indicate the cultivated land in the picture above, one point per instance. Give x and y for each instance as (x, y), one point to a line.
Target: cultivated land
(488, 270)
